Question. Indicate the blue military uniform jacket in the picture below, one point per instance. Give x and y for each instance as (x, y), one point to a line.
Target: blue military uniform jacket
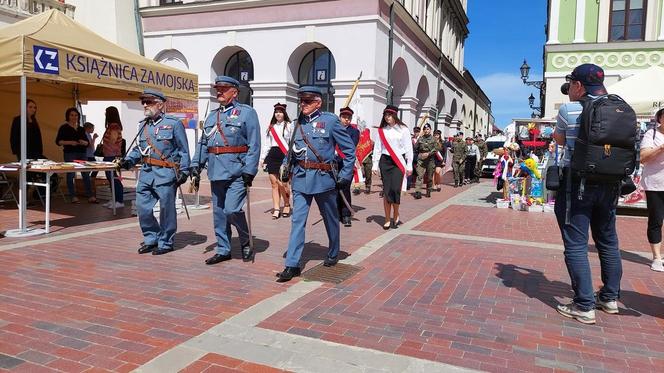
(168, 136)
(324, 132)
(240, 126)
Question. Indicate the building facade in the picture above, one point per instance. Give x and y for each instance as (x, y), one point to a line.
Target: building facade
(621, 36)
(15, 10)
(274, 46)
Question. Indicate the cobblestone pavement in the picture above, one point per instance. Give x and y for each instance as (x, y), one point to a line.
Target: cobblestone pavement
(460, 286)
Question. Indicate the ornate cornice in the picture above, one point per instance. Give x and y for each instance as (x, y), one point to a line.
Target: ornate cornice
(607, 59)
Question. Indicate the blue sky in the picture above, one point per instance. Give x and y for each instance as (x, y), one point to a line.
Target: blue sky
(502, 34)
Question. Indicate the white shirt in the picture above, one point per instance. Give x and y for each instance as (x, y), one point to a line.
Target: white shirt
(399, 139)
(652, 177)
(472, 150)
(269, 140)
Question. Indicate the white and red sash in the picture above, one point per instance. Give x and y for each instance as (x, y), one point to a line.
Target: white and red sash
(278, 140)
(397, 158)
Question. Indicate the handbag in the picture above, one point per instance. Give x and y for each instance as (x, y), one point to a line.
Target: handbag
(99, 150)
(552, 177)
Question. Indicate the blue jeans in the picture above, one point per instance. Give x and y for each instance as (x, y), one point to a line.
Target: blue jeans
(119, 189)
(69, 157)
(597, 211)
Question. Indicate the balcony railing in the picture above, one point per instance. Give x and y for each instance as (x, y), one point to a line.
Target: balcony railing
(27, 8)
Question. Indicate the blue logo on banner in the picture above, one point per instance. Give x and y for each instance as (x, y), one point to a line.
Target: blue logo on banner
(46, 60)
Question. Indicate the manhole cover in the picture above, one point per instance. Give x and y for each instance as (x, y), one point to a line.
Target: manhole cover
(336, 274)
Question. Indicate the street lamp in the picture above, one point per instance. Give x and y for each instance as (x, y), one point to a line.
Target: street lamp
(539, 84)
(525, 69)
(531, 103)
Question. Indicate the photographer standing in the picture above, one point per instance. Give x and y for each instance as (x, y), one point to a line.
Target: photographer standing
(589, 190)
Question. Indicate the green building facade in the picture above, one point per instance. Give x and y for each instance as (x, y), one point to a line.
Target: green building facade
(621, 36)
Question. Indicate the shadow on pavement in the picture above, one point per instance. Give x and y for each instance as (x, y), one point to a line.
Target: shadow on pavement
(188, 238)
(492, 197)
(314, 251)
(534, 284)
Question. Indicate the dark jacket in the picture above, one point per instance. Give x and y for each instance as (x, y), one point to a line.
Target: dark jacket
(35, 147)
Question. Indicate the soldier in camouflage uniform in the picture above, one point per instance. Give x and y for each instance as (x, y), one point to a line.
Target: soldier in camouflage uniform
(484, 150)
(458, 159)
(425, 147)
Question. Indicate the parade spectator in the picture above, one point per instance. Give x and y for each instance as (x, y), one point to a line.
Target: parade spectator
(472, 154)
(596, 210)
(275, 147)
(439, 160)
(393, 156)
(34, 145)
(112, 148)
(652, 178)
(71, 136)
(90, 149)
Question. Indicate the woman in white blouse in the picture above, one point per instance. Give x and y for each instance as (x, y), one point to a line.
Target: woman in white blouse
(275, 147)
(393, 156)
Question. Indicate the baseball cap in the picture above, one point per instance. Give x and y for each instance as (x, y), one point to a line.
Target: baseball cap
(590, 75)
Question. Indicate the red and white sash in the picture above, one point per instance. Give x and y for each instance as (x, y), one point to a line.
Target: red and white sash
(397, 158)
(278, 140)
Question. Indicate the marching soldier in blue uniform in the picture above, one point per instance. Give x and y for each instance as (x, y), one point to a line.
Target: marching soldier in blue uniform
(164, 153)
(345, 117)
(231, 146)
(315, 175)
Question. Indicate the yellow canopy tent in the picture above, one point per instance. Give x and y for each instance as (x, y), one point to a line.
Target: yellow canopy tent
(58, 61)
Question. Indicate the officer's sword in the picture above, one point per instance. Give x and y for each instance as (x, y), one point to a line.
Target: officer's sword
(184, 203)
(251, 237)
(335, 174)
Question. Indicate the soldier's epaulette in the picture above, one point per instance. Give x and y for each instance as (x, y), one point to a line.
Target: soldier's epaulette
(173, 117)
(324, 114)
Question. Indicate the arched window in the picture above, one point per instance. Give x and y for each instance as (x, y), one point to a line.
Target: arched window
(318, 68)
(241, 67)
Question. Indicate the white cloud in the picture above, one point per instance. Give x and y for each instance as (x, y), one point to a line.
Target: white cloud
(508, 95)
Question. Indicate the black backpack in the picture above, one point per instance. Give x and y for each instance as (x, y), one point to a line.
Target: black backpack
(605, 149)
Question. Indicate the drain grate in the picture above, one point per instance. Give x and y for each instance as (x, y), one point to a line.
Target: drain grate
(336, 274)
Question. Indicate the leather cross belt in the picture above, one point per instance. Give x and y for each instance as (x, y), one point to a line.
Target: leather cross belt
(159, 162)
(315, 166)
(228, 149)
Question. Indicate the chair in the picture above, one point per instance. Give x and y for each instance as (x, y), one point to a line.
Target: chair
(10, 189)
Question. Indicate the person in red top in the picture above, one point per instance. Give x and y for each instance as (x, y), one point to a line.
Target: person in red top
(112, 149)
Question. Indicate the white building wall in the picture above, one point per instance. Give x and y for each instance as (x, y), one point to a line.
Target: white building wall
(276, 64)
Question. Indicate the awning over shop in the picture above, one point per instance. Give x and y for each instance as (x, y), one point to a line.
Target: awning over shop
(53, 47)
(57, 62)
(642, 90)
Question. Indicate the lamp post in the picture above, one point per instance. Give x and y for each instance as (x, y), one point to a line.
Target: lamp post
(539, 84)
(531, 103)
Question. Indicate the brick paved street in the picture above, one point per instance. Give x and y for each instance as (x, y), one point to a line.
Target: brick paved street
(459, 284)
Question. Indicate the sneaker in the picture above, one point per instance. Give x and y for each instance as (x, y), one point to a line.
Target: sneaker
(107, 204)
(572, 311)
(657, 265)
(608, 306)
(118, 205)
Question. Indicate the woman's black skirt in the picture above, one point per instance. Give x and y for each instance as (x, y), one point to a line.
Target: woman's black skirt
(392, 179)
(273, 160)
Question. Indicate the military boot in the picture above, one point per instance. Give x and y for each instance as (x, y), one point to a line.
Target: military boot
(418, 195)
(428, 195)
